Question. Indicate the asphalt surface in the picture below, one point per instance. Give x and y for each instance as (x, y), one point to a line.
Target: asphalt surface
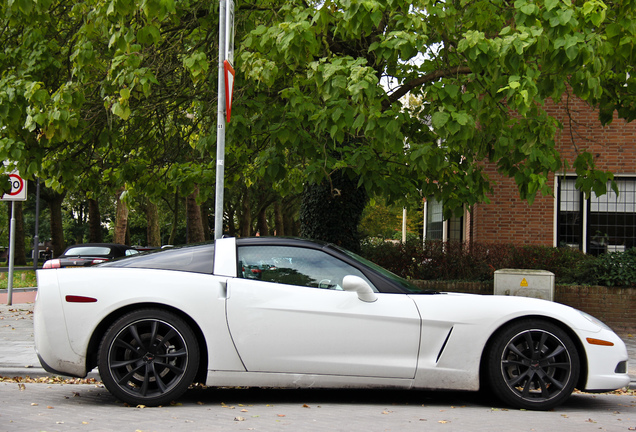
(17, 351)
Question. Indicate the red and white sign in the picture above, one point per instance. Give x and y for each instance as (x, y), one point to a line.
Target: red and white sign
(18, 188)
(229, 88)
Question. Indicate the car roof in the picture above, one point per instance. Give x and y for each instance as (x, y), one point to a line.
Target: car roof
(282, 241)
(111, 245)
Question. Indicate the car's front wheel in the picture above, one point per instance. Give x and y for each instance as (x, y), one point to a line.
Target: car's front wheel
(533, 365)
(148, 357)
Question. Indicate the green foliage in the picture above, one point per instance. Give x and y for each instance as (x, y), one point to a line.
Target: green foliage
(478, 74)
(100, 96)
(380, 220)
(436, 260)
(616, 268)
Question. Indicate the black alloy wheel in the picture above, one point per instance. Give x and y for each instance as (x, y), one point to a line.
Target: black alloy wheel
(533, 365)
(148, 357)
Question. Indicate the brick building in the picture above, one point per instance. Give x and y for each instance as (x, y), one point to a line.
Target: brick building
(595, 225)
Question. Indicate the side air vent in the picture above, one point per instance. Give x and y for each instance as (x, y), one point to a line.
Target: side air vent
(444, 345)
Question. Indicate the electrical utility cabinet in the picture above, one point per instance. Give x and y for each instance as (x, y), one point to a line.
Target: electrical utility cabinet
(525, 283)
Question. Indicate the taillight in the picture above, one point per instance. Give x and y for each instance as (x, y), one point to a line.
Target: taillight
(50, 264)
(99, 260)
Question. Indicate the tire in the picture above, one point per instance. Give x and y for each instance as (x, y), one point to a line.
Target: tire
(533, 365)
(148, 357)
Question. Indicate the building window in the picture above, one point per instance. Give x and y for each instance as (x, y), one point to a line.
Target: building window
(600, 224)
(436, 228)
(434, 224)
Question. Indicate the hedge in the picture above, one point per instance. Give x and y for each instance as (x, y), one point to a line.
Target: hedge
(436, 260)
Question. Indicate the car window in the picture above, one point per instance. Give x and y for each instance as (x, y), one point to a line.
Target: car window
(88, 251)
(131, 252)
(196, 259)
(294, 266)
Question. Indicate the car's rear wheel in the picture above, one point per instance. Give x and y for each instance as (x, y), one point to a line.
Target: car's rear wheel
(148, 357)
(533, 365)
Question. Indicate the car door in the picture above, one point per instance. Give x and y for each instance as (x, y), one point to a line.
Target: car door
(288, 313)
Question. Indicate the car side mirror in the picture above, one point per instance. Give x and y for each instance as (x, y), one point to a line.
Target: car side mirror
(357, 284)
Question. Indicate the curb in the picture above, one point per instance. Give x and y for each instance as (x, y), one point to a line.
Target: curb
(28, 289)
(39, 372)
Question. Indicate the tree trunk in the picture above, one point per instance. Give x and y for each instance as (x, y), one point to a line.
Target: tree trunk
(261, 223)
(152, 216)
(331, 211)
(205, 221)
(121, 221)
(279, 224)
(246, 217)
(95, 234)
(290, 222)
(193, 215)
(175, 219)
(19, 251)
(231, 226)
(57, 229)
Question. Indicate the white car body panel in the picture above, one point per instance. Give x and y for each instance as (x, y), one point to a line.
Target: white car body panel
(273, 335)
(288, 380)
(202, 296)
(285, 328)
(225, 261)
(473, 319)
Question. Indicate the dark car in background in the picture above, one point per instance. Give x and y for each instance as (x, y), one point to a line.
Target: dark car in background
(88, 254)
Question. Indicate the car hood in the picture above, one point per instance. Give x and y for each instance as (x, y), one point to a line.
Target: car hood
(495, 310)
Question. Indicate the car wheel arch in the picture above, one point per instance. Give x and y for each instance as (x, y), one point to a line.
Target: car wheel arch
(483, 366)
(105, 324)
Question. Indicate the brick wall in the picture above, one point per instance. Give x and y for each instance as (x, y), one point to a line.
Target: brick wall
(614, 306)
(507, 219)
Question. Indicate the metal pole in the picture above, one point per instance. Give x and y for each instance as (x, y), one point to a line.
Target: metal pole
(36, 238)
(11, 249)
(220, 132)
(404, 225)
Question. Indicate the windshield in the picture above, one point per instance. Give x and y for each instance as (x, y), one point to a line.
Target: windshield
(88, 251)
(384, 272)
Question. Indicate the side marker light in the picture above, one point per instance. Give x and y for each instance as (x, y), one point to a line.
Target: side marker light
(601, 342)
(80, 299)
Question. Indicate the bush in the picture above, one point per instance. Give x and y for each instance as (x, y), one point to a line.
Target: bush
(436, 260)
(616, 268)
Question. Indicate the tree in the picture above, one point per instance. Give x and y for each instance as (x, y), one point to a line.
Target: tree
(482, 71)
(99, 96)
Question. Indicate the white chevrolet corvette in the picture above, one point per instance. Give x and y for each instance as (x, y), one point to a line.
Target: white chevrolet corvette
(275, 312)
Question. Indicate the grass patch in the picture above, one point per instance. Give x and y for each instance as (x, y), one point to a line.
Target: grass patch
(21, 279)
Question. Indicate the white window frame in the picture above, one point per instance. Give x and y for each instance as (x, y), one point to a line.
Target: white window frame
(585, 203)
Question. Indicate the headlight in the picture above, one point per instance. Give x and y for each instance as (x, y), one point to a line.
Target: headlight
(595, 321)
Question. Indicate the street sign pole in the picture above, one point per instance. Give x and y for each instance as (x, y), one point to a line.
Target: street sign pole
(220, 131)
(18, 192)
(11, 249)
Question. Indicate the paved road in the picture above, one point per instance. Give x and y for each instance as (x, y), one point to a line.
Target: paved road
(34, 407)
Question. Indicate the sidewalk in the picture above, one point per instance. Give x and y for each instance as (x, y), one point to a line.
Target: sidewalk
(17, 352)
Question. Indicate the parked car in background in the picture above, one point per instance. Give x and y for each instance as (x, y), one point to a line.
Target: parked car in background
(279, 312)
(88, 254)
